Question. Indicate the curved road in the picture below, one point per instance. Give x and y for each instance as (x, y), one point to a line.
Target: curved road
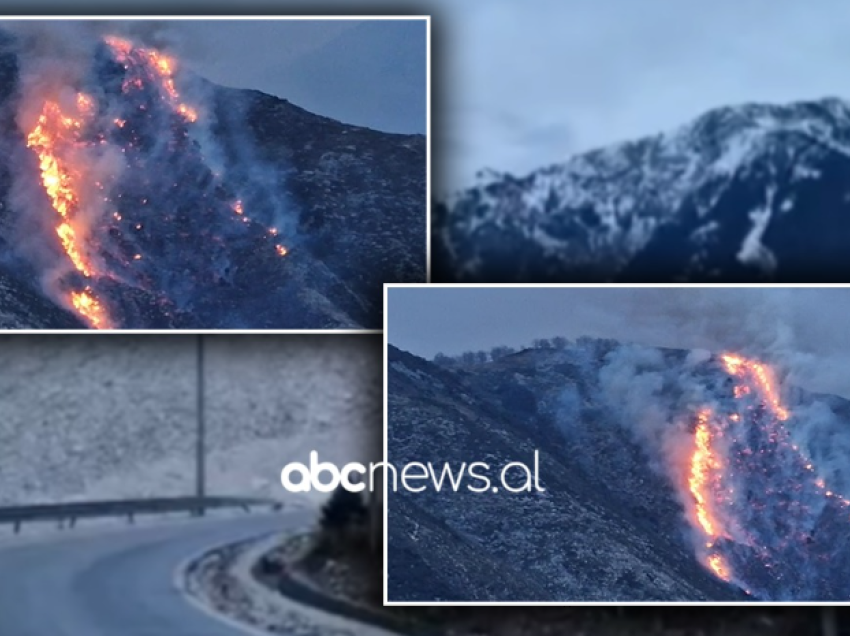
(116, 582)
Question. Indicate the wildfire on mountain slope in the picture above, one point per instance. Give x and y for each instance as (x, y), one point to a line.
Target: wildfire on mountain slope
(148, 65)
(239, 209)
(764, 380)
(705, 473)
(63, 137)
(740, 449)
(55, 138)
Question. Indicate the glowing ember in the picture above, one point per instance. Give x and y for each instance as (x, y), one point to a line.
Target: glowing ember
(68, 139)
(153, 64)
(85, 104)
(239, 209)
(719, 567)
(765, 382)
(119, 45)
(703, 463)
(90, 308)
(752, 443)
(189, 113)
(69, 242)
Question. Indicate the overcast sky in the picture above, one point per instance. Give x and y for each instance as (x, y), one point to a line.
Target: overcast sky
(802, 329)
(246, 54)
(364, 72)
(532, 83)
(523, 85)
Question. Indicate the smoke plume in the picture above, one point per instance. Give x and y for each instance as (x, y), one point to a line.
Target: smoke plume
(128, 208)
(758, 465)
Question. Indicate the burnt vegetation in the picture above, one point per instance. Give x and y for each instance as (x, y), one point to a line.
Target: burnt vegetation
(229, 209)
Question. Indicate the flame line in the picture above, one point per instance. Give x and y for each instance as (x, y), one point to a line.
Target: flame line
(53, 131)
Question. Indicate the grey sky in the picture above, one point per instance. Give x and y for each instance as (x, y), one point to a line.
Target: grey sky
(802, 329)
(532, 83)
(246, 54)
(364, 72)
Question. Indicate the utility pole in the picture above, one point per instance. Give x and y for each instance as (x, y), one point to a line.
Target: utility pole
(375, 508)
(200, 448)
(829, 621)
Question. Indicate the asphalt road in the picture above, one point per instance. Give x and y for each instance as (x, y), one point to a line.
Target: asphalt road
(118, 582)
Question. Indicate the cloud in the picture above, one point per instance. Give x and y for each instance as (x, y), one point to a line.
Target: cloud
(611, 71)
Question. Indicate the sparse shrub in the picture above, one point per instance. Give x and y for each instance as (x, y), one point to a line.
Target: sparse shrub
(343, 509)
(343, 525)
(443, 360)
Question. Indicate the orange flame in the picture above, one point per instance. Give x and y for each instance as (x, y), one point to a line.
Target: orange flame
(706, 465)
(189, 113)
(54, 131)
(69, 242)
(89, 307)
(158, 63)
(703, 462)
(120, 46)
(719, 567)
(705, 470)
(765, 382)
(281, 250)
(708, 462)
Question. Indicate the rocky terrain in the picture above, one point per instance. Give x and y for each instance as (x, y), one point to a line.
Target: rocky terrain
(615, 426)
(755, 192)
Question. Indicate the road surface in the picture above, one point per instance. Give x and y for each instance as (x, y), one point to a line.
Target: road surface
(118, 582)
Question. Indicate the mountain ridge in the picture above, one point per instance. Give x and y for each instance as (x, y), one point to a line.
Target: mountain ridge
(716, 199)
(618, 429)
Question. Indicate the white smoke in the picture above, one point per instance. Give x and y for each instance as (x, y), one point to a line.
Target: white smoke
(655, 398)
(57, 62)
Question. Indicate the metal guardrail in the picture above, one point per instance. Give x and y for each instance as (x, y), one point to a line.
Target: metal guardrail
(70, 512)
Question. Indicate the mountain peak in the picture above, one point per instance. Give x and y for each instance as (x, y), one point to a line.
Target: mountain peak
(592, 215)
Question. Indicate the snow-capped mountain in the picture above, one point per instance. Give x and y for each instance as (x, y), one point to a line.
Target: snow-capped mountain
(756, 192)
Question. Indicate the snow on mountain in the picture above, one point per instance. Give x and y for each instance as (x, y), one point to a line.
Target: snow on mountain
(748, 192)
(115, 417)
